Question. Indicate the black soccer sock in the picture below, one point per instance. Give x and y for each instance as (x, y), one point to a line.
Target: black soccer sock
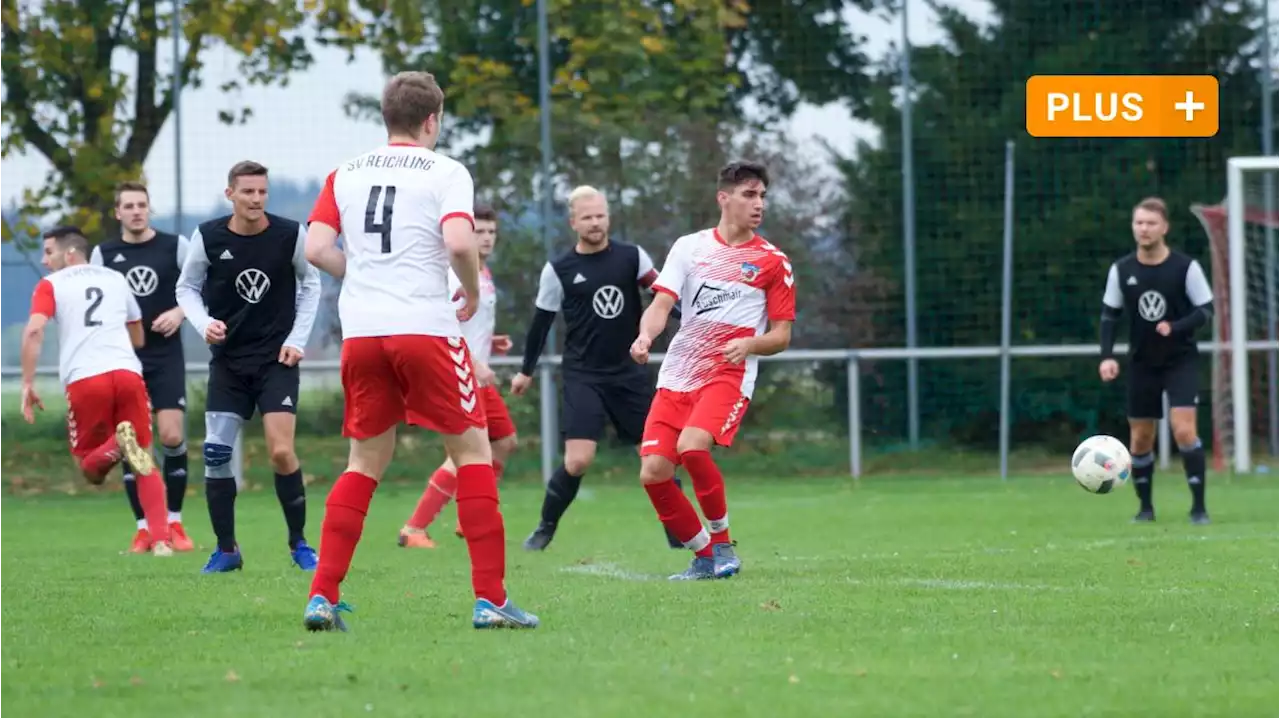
(1193, 465)
(293, 500)
(1144, 471)
(221, 495)
(131, 489)
(561, 491)
(175, 475)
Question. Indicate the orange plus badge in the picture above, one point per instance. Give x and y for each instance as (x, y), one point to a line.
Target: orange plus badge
(1122, 106)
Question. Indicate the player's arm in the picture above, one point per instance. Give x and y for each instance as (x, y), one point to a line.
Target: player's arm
(666, 294)
(133, 321)
(1112, 305)
(307, 303)
(43, 308)
(323, 227)
(546, 306)
(780, 308)
(191, 282)
(648, 275)
(1201, 296)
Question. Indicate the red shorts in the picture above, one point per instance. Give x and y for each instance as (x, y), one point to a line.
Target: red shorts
(716, 408)
(421, 380)
(495, 412)
(97, 403)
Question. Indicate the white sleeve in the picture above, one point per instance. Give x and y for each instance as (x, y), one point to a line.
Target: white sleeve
(307, 302)
(671, 278)
(458, 197)
(1112, 296)
(133, 311)
(95, 257)
(1198, 289)
(184, 246)
(550, 291)
(190, 284)
(646, 264)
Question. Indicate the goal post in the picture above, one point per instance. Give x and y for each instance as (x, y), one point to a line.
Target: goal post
(1242, 238)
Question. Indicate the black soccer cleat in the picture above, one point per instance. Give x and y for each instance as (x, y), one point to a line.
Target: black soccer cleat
(1200, 518)
(541, 537)
(1145, 516)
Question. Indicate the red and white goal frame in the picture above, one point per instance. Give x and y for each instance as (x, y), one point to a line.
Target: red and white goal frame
(1240, 396)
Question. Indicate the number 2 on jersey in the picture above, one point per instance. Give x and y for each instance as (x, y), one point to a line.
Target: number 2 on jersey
(383, 227)
(93, 294)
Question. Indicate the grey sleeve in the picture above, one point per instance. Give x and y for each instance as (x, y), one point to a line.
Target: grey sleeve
(190, 284)
(184, 247)
(550, 291)
(1198, 289)
(1112, 296)
(95, 257)
(307, 304)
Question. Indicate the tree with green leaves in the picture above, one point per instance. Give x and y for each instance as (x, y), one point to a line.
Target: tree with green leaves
(96, 123)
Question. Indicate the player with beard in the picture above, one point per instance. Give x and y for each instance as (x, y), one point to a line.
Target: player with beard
(737, 292)
(1167, 298)
(597, 284)
(150, 261)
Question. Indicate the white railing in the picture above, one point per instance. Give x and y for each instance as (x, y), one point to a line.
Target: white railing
(549, 428)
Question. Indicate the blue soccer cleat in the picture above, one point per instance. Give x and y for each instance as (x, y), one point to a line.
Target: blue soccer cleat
(304, 557)
(508, 615)
(726, 560)
(702, 568)
(223, 562)
(324, 616)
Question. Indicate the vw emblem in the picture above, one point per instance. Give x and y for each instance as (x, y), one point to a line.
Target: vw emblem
(252, 285)
(1151, 305)
(607, 302)
(142, 280)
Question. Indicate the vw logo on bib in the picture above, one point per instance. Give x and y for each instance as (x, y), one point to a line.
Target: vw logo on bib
(607, 302)
(1151, 305)
(142, 280)
(252, 285)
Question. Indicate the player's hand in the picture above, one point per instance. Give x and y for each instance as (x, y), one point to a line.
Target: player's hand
(485, 375)
(469, 305)
(640, 349)
(500, 344)
(169, 322)
(1164, 329)
(290, 356)
(1109, 369)
(29, 400)
(736, 351)
(216, 333)
(520, 383)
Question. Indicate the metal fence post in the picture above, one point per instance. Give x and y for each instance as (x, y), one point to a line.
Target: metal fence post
(855, 414)
(549, 424)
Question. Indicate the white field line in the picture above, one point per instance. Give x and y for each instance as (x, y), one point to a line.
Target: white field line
(608, 570)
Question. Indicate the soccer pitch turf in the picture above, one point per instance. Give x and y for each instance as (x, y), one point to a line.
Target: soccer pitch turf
(895, 597)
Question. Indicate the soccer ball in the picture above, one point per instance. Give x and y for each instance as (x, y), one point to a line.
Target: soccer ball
(1101, 463)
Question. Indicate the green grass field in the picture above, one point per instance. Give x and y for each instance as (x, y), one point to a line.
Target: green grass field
(892, 597)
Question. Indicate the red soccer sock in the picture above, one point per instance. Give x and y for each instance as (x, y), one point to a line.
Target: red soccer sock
(481, 524)
(344, 513)
(678, 515)
(101, 460)
(708, 484)
(151, 494)
(439, 492)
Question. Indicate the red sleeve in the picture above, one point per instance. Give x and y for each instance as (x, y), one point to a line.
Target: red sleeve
(459, 215)
(647, 280)
(42, 299)
(780, 297)
(325, 210)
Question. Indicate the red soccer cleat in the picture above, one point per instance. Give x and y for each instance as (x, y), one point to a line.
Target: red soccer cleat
(178, 538)
(141, 542)
(415, 538)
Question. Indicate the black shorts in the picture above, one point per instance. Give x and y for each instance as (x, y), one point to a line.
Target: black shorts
(166, 380)
(1180, 379)
(588, 404)
(273, 388)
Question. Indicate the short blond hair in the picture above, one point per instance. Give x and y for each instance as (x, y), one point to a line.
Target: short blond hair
(582, 192)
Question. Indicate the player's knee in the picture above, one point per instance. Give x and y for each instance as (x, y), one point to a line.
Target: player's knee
(692, 439)
(284, 460)
(1185, 436)
(170, 435)
(656, 469)
(217, 460)
(503, 448)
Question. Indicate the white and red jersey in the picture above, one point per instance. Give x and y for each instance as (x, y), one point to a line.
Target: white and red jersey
(725, 292)
(478, 330)
(389, 205)
(93, 307)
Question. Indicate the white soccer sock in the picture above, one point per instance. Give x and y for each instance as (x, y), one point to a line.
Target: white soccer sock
(175, 517)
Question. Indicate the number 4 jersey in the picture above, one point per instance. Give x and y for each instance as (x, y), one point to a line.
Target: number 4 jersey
(389, 205)
(93, 306)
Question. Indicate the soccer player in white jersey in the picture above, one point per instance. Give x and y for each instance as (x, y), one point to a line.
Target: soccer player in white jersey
(479, 333)
(737, 296)
(108, 412)
(405, 213)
